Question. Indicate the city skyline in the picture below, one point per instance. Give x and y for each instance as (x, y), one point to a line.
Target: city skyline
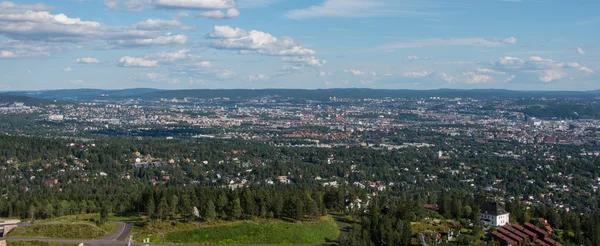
(316, 44)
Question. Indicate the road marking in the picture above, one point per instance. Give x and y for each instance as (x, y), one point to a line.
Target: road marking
(122, 230)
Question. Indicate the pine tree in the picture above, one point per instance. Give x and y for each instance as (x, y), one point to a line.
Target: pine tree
(150, 207)
(210, 212)
(237, 209)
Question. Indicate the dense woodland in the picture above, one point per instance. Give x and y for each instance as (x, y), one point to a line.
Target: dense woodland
(99, 177)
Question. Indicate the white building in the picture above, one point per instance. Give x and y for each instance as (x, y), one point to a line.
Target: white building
(494, 215)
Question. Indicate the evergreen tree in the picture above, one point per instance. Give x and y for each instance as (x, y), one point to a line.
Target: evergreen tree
(210, 213)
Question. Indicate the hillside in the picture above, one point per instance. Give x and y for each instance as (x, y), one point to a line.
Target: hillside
(6, 99)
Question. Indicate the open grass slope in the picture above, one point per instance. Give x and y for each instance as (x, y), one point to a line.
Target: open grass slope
(254, 232)
(64, 230)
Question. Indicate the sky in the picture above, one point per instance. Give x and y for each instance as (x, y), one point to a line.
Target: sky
(306, 44)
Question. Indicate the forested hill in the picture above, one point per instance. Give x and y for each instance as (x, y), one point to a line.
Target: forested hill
(6, 99)
(319, 94)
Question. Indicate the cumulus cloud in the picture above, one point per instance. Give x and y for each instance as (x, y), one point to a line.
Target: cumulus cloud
(324, 74)
(219, 14)
(580, 51)
(354, 72)
(172, 56)
(128, 61)
(229, 38)
(261, 42)
(476, 78)
(36, 26)
(548, 76)
(411, 58)
(68, 69)
(311, 61)
(259, 77)
(416, 74)
(489, 71)
(547, 70)
(87, 60)
(483, 42)
(7, 54)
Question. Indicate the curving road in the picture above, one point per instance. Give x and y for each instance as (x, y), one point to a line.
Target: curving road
(121, 233)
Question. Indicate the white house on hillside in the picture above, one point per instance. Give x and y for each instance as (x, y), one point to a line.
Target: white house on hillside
(494, 215)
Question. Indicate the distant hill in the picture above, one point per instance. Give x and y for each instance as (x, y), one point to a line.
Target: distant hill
(83, 93)
(319, 94)
(324, 94)
(29, 101)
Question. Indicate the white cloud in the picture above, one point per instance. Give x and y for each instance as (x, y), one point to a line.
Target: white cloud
(128, 61)
(32, 22)
(160, 40)
(219, 14)
(483, 42)
(297, 51)
(34, 25)
(355, 72)
(416, 74)
(508, 62)
(195, 4)
(475, 78)
(509, 79)
(548, 76)
(243, 41)
(447, 78)
(112, 4)
(87, 60)
(7, 54)
(158, 24)
(261, 42)
(324, 74)
(68, 69)
(160, 78)
(585, 70)
(580, 51)
(260, 77)
(308, 60)
(205, 64)
(547, 70)
(411, 58)
(511, 40)
(225, 74)
(173, 56)
(489, 71)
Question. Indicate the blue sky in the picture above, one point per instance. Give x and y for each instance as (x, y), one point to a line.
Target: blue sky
(393, 44)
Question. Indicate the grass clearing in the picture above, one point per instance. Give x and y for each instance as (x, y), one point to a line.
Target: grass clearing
(248, 232)
(65, 230)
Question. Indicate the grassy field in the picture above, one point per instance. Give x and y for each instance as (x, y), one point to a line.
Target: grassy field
(248, 232)
(66, 230)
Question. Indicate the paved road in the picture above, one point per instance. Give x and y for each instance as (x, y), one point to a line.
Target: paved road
(123, 229)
